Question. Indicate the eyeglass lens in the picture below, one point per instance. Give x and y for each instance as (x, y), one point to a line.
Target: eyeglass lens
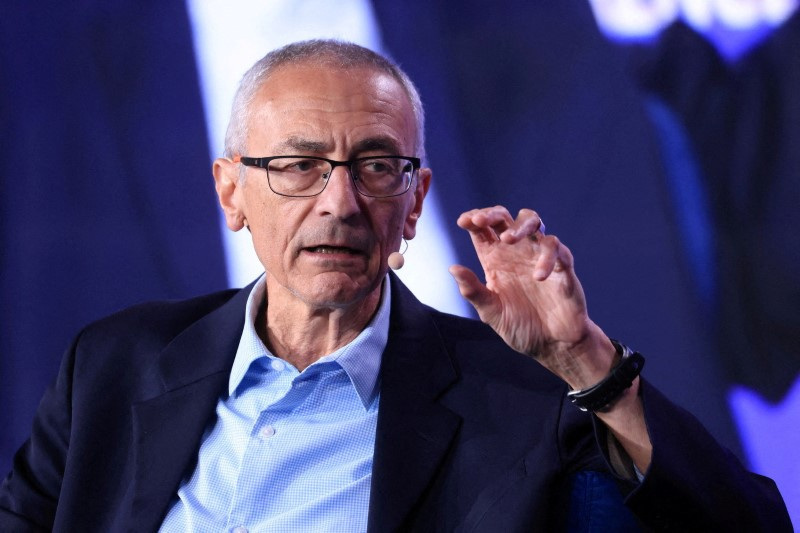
(378, 177)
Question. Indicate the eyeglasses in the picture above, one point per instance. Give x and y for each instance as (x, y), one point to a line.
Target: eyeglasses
(303, 176)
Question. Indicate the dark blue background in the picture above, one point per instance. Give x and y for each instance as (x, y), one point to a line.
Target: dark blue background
(672, 176)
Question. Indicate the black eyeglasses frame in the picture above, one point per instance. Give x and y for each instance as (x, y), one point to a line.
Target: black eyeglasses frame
(263, 162)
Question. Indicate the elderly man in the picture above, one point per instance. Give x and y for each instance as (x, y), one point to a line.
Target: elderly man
(325, 397)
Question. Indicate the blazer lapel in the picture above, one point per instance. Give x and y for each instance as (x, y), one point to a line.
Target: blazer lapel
(414, 431)
(167, 429)
(413, 434)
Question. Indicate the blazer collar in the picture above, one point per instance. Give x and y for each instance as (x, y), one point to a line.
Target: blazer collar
(168, 429)
(413, 433)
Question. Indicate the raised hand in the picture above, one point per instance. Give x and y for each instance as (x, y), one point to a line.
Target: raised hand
(532, 297)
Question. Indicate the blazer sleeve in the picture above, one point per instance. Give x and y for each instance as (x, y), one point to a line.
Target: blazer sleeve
(693, 483)
(29, 494)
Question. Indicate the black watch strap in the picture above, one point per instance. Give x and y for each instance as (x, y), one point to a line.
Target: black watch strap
(599, 396)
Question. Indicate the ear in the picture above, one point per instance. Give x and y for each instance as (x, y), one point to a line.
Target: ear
(229, 191)
(423, 183)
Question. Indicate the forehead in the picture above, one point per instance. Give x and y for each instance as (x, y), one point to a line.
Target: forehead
(332, 106)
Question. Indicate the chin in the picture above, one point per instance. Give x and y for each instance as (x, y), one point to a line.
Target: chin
(336, 289)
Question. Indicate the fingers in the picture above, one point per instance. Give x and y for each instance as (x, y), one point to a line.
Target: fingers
(495, 223)
(471, 288)
(527, 225)
(553, 257)
(486, 225)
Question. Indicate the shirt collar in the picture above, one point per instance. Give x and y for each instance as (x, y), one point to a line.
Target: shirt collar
(360, 358)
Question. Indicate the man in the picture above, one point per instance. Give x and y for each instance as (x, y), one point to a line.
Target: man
(324, 397)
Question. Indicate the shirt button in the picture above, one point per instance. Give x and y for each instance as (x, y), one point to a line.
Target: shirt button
(265, 433)
(277, 365)
(240, 529)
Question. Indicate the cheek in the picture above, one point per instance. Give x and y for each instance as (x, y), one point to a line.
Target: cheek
(391, 231)
(272, 229)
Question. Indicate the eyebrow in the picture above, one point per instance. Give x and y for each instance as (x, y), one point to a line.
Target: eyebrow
(371, 144)
(303, 145)
(377, 144)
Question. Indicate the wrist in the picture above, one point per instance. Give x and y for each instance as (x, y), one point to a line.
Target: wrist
(616, 385)
(588, 361)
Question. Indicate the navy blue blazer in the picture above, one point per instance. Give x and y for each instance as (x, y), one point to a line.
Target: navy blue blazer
(471, 436)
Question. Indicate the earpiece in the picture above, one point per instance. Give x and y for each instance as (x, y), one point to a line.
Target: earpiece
(396, 259)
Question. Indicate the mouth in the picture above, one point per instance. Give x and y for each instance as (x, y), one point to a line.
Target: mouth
(334, 252)
(328, 249)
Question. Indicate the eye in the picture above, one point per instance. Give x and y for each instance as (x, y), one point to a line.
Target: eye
(376, 165)
(379, 167)
(303, 165)
(294, 165)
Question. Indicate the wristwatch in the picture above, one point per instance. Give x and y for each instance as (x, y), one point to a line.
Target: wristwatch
(603, 394)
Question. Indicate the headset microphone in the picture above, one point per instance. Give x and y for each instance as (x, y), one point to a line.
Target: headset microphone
(396, 260)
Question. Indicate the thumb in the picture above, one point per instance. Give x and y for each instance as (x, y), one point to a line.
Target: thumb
(471, 288)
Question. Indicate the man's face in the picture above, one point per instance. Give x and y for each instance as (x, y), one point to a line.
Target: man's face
(329, 250)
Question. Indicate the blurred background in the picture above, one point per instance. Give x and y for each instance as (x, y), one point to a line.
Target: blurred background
(659, 139)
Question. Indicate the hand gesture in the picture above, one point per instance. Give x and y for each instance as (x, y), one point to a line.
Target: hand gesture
(532, 297)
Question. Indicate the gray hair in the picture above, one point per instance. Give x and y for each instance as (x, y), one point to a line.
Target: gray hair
(337, 54)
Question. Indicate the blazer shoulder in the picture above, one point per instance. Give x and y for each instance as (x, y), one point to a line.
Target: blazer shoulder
(165, 315)
(152, 325)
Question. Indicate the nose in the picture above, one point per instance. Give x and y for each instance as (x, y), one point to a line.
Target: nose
(340, 197)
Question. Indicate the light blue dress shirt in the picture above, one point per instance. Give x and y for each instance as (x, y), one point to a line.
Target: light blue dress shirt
(289, 451)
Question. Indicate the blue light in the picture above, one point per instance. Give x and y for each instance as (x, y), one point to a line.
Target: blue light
(733, 26)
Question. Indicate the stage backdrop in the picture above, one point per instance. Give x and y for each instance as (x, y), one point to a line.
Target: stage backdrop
(663, 154)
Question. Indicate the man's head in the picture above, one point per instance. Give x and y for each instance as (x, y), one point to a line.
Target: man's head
(329, 100)
(330, 53)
